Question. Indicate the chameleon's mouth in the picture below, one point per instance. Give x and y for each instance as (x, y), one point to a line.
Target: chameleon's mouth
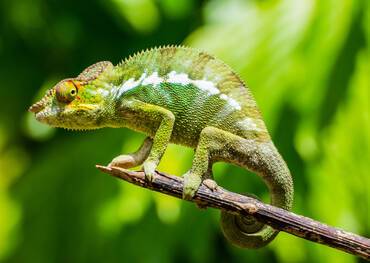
(40, 111)
(40, 105)
(42, 108)
(37, 107)
(44, 116)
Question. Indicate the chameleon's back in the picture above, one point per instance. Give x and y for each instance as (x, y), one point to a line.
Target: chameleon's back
(199, 89)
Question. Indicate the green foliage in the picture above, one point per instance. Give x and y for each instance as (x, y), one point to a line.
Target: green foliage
(307, 63)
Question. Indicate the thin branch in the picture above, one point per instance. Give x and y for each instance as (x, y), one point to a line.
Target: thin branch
(279, 219)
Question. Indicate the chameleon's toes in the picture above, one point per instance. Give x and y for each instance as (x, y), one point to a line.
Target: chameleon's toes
(191, 185)
(149, 170)
(123, 161)
(211, 184)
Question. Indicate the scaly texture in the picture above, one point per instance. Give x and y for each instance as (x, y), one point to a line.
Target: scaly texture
(184, 96)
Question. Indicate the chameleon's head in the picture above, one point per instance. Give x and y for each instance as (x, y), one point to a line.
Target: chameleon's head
(76, 103)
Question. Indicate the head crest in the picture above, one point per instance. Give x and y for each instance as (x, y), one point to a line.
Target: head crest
(94, 71)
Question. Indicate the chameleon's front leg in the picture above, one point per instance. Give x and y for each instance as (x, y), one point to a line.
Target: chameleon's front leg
(161, 133)
(133, 159)
(160, 141)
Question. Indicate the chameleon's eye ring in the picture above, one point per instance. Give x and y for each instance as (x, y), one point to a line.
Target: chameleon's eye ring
(66, 91)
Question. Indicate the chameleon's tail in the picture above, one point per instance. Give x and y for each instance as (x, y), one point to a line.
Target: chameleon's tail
(246, 232)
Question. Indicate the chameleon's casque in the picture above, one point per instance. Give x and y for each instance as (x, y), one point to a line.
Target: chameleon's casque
(184, 96)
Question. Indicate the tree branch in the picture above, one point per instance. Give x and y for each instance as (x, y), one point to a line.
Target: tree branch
(279, 219)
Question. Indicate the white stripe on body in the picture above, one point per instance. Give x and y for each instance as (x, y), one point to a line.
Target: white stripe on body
(177, 78)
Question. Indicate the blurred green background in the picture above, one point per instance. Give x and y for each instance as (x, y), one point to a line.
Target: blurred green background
(306, 62)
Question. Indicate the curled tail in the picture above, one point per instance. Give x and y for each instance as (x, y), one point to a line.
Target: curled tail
(246, 232)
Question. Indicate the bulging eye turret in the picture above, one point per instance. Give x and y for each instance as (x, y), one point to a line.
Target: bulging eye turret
(66, 91)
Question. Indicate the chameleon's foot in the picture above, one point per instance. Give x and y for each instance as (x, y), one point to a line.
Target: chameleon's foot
(211, 184)
(123, 161)
(149, 170)
(191, 185)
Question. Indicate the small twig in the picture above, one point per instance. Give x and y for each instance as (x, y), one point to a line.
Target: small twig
(279, 219)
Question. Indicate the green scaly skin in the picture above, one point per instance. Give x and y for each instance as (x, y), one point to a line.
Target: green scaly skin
(183, 96)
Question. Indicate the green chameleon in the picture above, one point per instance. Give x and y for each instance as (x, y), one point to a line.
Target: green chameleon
(183, 96)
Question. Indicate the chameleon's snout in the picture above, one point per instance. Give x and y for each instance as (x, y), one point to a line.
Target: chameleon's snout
(40, 105)
(37, 107)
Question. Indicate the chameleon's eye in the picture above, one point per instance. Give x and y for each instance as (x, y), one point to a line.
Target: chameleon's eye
(66, 92)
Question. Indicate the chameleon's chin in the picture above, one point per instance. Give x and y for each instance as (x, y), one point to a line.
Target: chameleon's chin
(45, 116)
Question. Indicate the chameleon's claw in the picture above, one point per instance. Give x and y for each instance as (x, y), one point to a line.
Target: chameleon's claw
(211, 184)
(123, 161)
(149, 170)
(191, 185)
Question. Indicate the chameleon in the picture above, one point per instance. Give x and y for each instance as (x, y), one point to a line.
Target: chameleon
(180, 95)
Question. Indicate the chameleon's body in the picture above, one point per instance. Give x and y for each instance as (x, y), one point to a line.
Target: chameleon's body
(183, 96)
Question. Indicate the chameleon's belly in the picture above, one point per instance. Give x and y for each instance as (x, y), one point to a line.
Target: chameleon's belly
(187, 128)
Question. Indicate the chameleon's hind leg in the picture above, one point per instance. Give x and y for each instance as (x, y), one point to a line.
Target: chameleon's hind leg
(262, 158)
(210, 142)
(133, 159)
